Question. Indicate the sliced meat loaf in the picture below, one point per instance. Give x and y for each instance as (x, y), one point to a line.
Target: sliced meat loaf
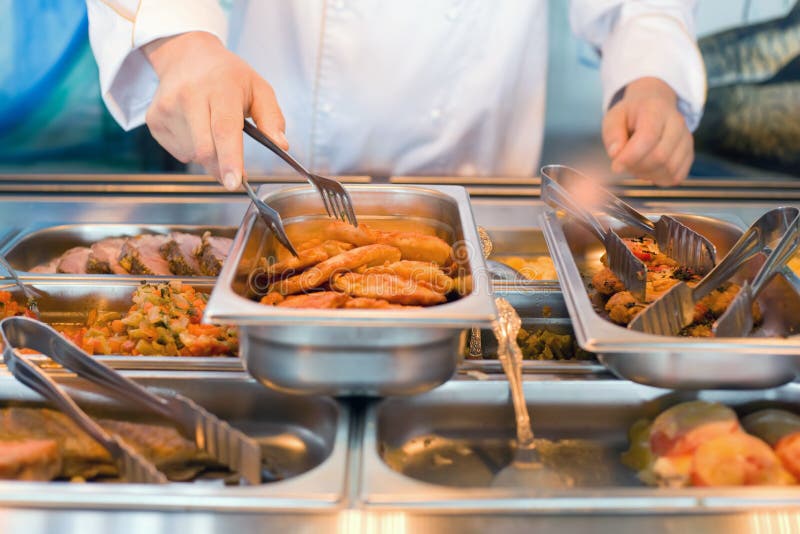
(51, 267)
(181, 251)
(74, 261)
(213, 252)
(142, 255)
(104, 258)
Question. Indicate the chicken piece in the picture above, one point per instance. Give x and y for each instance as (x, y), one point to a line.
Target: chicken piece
(320, 300)
(606, 283)
(29, 459)
(622, 307)
(422, 272)
(681, 429)
(323, 272)
(788, 451)
(413, 246)
(74, 261)
(271, 299)
(104, 257)
(51, 267)
(142, 255)
(213, 252)
(306, 258)
(771, 424)
(180, 251)
(737, 459)
(388, 287)
(364, 303)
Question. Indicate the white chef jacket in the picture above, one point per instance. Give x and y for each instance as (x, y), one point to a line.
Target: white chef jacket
(436, 87)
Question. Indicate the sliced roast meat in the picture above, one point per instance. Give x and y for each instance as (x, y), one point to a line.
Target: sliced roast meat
(51, 267)
(74, 261)
(104, 258)
(181, 251)
(213, 252)
(142, 255)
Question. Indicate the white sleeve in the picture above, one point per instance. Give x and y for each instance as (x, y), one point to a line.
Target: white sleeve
(645, 38)
(117, 31)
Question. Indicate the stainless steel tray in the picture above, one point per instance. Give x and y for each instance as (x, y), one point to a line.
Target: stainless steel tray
(68, 299)
(446, 444)
(361, 352)
(37, 244)
(670, 361)
(306, 437)
(539, 306)
(520, 241)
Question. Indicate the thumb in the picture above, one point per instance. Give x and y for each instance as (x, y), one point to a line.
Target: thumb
(615, 130)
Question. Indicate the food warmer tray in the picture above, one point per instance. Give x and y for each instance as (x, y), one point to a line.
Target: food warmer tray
(761, 361)
(445, 445)
(305, 437)
(357, 352)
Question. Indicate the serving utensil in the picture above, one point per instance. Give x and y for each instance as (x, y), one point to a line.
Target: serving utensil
(674, 310)
(622, 262)
(674, 238)
(222, 442)
(526, 468)
(271, 218)
(737, 321)
(335, 197)
(31, 295)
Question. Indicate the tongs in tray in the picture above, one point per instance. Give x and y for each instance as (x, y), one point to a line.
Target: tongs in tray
(222, 442)
(622, 262)
(674, 310)
(674, 238)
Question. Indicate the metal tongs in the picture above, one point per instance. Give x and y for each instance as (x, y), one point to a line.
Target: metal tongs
(622, 262)
(335, 197)
(222, 442)
(737, 321)
(675, 308)
(271, 218)
(31, 295)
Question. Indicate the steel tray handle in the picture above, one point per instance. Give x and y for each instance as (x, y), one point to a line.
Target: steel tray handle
(38, 336)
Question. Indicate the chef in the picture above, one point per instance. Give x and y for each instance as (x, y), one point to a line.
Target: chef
(433, 87)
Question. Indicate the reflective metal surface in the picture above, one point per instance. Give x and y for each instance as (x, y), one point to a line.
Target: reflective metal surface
(354, 352)
(677, 362)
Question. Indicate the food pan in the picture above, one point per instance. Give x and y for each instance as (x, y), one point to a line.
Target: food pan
(36, 244)
(760, 361)
(363, 352)
(68, 299)
(305, 438)
(539, 307)
(526, 243)
(441, 449)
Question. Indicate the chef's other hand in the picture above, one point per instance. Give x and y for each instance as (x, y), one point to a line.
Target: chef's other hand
(204, 94)
(645, 134)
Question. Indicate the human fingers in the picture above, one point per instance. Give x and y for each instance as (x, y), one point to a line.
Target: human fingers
(264, 109)
(615, 130)
(661, 159)
(227, 117)
(647, 131)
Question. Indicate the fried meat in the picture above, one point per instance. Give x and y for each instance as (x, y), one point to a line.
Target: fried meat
(413, 246)
(424, 273)
(318, 300)
(389, 287)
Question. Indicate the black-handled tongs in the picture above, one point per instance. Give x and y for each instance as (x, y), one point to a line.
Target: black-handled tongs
(222, 442)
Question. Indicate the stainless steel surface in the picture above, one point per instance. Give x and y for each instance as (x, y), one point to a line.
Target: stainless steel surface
(440, 450)
(336, 199)
(18, 333)
(305, 439)
(621, 260)
(226, 445)
(363, 352)
(676, 362)
(271, 218)
(68, 300)
(38, 243)
(737, 321)
(674, 239)
(675, 309)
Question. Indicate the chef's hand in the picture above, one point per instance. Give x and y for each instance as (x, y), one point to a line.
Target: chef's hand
(645, 134)
(204, 94)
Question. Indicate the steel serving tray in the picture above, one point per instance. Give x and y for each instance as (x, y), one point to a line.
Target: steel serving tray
(440, 450)
(38, 244)
(67, 300)
(306, 438)
(361, 352)
(759, 361)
